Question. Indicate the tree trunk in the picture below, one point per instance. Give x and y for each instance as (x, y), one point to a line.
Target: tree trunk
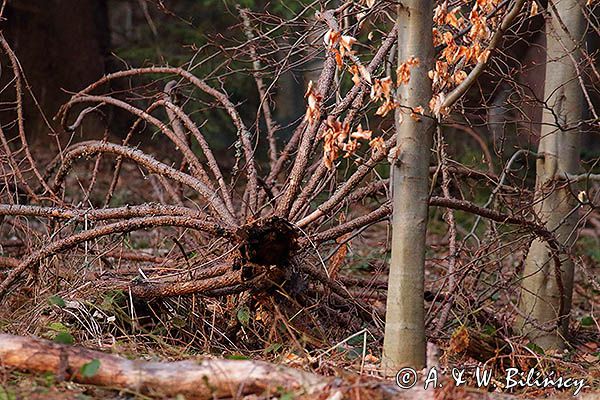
(546, 296)
(61, 46)
(404, 343)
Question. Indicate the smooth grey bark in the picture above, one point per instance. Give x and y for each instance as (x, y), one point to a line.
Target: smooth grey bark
(404, 342)
(545, 299)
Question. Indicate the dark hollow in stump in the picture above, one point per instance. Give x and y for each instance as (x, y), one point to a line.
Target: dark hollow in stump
(263, 260)
(266, 245)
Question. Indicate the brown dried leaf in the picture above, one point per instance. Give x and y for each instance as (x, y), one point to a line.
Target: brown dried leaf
(385, 108)
(355, 74)
(331, 38)
(483, 56)
(364, 73)
(361, 133)
(436, 104)
(534, 9)
(459, 341)
(350, 148)
(312, 111)
(403, 71)
(459, 76)
(337, 260)
(377, 144)
(338, 58)
(451, 18)
(439, 13)
(382, 89)
(437, 37)
(416, 113)
(346, 43)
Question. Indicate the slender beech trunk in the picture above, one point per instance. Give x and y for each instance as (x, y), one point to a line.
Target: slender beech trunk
(404, 343)
(545, 296)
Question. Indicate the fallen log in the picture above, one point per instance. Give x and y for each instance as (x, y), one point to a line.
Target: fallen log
(214, 378)
(202, 379)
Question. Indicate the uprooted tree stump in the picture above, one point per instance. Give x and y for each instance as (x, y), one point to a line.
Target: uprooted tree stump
(266, 246)
(267, 228)
(263, 258)
(297, 194)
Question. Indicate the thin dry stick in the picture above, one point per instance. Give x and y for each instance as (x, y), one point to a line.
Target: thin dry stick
(117, 227)
(480, 141)
(350, 184)
(375, 63)
(385, 210)
(95, 170)
(287, 151)
(309, 190)
(304, 151)
(190, 157)
(315, 180)
(260, 86)
(92, 147)
(243, 132)
(212, 162)
(119, 161)
(15, 168)
(379, 214)
(449, 216)
(20, 120)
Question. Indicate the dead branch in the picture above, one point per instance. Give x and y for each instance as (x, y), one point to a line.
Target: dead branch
(16, 68)
(212, 162)
(100, 214)
(308, 136)
(197, 168)
(93, 147)
(119, 161)
(243, 132)
(117, 227)
(205, 378)
(385, 210)
(8, 262)
(14, 167)
(202, 287)
(349, 185)
(202, 379)
(304, 152)
(262, 91)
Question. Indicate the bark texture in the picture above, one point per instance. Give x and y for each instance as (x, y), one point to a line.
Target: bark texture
(404, 343)
(203, 379)
(61, 45)
(213, 378)
(546, 294)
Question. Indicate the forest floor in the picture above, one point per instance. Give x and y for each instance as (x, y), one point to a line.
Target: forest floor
(71, 308)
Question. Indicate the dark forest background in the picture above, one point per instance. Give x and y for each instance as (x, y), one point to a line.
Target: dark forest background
(63, 45)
